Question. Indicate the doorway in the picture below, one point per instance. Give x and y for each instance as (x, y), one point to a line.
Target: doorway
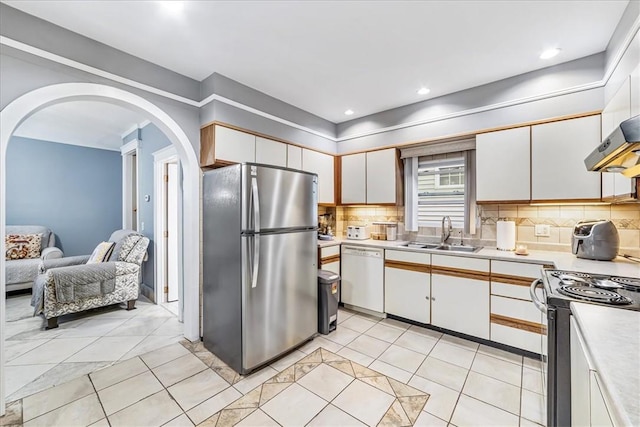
(167, 220)
(129, 153)
(21, 108)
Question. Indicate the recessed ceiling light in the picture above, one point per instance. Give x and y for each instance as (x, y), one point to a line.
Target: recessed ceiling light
(550, 53)
(349, 112)
(172, 6)
(423, 91)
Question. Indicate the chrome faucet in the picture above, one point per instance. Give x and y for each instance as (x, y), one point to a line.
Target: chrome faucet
(446, 234)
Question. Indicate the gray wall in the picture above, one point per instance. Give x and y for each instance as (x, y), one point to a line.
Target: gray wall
(236, 91)
(471, 102)
(75, 191)
(52, 38)
(151, 140)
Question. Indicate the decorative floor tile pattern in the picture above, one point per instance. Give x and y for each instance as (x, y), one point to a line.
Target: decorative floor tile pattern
(336, 389)
(290, 400)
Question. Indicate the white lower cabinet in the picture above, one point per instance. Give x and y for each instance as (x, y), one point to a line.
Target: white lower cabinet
(515, 320)
(460, 294)
(407, 285)
(588, 407)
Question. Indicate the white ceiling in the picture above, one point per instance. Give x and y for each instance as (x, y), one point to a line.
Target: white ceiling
(327, 56)
(86, 123)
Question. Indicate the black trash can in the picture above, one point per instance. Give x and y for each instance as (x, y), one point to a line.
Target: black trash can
(328, 297)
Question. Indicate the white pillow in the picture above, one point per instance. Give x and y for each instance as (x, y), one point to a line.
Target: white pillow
(102, 252)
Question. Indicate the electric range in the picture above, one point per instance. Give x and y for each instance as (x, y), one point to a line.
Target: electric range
(560, 288)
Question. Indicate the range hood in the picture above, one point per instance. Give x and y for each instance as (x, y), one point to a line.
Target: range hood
(619, 152)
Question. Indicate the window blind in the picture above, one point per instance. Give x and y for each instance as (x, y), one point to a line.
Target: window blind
(441, 191)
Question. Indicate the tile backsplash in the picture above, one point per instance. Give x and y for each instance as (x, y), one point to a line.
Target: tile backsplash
(561, 220)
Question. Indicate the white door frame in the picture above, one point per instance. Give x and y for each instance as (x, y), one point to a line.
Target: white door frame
(160, 159)
(18, 110)
(128, 151)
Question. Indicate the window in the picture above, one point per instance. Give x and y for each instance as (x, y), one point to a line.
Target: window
(441, 186)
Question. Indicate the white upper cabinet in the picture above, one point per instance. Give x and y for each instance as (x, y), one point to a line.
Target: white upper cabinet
(558, 150)
(322, 165)
(617, 110)
(269, 152)
(294, 157)
(234, 146)
(354, 179)
(503, 165)
(383, 177)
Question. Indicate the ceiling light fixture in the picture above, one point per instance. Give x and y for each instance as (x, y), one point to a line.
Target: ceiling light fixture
(349, 112)
(172, 6)
(550, 53)
(423, 91)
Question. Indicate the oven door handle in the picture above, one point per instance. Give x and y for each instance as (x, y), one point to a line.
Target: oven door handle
(532, 292)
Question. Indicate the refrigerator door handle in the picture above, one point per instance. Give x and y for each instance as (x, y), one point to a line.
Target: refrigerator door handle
(256, 237)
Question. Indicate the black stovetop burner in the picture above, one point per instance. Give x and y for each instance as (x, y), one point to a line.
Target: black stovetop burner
(623, 292)
(594, 294)
(627, 283)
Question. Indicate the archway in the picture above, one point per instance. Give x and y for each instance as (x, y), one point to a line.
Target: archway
(21, 108)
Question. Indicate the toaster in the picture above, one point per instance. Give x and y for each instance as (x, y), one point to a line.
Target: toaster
(357, 232)
(595, 239)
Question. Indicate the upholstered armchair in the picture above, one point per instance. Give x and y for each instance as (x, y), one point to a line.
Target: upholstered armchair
(74, 284)
(21, 272)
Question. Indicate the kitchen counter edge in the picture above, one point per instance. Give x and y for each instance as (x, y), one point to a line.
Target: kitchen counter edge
(560, 260)
(609, 351)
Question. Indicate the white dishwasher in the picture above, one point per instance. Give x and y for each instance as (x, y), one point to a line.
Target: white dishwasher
(363, 277)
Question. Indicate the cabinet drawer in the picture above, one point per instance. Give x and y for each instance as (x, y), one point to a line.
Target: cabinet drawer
(477, 264)
(516, 338)
(516, 269)
(329, 251)
(404, 256)
(510, 290)
(516, 309)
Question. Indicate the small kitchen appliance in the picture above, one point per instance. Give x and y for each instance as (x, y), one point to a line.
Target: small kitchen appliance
(595, 239)
(357, 232)
(559, 289)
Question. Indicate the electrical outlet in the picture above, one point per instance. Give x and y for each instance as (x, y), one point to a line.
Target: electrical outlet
(543, 230)
(142, 226)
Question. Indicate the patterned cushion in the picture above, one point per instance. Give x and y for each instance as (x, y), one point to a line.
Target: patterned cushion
(102, 252)
(22, 246)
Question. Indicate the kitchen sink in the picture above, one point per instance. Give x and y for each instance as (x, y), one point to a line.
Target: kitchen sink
(440, 247)
(458, 248)
(415, 245)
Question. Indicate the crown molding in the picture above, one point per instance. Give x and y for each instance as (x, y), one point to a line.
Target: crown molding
(214, 97)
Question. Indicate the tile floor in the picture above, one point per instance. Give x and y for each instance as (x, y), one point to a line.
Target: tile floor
(38, 359)
(183, 384)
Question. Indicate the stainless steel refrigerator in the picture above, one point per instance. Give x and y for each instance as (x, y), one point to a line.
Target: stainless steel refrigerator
(259, 262)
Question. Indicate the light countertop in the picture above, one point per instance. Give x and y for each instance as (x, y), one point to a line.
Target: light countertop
(612, 340)
(561, 260)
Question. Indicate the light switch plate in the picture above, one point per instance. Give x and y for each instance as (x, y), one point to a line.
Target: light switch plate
(542, 230)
